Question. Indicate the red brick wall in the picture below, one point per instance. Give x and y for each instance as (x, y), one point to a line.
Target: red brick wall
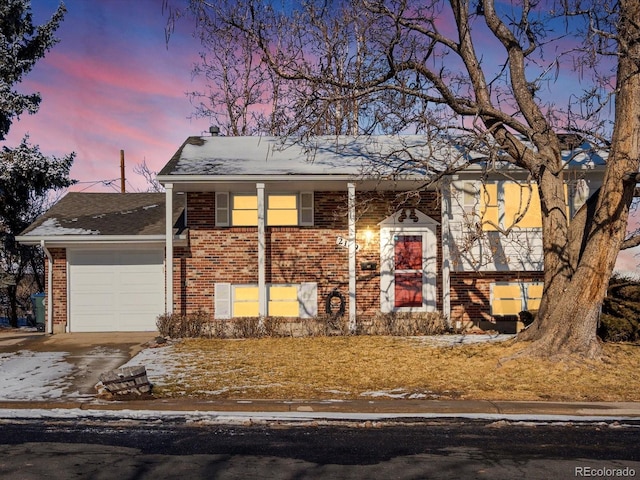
(293, 254)
(59, 256)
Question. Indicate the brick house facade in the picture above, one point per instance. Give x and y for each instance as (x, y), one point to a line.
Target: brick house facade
(294, 255)
(261, 226)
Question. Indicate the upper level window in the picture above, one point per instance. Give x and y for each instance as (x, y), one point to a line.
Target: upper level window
(503, 205)
(282, 209)
(244, 210)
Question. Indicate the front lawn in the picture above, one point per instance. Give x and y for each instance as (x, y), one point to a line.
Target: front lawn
(388, 367)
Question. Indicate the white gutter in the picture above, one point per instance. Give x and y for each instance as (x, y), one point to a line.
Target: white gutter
(49, 327)
(89, 239)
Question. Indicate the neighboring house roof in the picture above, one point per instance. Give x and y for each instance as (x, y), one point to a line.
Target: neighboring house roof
(93, 216)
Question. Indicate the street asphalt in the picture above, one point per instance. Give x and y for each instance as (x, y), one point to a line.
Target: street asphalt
(120, 347)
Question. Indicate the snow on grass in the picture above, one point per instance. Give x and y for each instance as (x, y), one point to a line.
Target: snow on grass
(160, 363)
(27, 375)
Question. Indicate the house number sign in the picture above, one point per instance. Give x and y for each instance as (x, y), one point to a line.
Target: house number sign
(344, 242)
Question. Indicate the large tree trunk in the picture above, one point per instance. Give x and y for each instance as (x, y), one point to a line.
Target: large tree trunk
(574, 292)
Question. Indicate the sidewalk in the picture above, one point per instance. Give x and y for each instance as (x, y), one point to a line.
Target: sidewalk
(232, 411)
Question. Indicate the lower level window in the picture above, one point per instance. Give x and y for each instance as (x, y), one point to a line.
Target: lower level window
(245, 301)
(511, 298)
(299, 300)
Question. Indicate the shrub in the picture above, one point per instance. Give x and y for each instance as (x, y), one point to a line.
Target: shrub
(200, 324)
(616, 329)
(325, 325)
(274, 327)
(620, 319)
(190, 325)
(407, 324)
(246, 327)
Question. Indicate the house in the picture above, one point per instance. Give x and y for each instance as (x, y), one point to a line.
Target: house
(263, 226)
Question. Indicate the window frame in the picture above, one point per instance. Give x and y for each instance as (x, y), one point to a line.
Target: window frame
(226, 299)
(526, 299)
(225, 207)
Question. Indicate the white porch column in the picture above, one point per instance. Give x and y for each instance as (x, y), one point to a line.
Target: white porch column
(168, 269)
(352, 256)
(446, 252)
(262, 286)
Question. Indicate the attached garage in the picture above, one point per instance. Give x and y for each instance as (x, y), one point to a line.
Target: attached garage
(115, 290)
(105, 256)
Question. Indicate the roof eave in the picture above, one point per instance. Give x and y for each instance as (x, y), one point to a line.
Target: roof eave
(70, 240)
(177, 178)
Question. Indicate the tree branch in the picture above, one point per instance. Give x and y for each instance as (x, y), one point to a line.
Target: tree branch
(631, 242)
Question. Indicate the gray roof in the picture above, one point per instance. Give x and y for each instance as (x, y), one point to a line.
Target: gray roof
(323, 155)
(99, 214)
(336, 156)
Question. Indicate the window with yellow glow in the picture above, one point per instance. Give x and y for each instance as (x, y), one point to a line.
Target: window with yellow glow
(534, 296)
(282, 209)
(522, 205)
(489, 212)
(503, 205)
(244, 210)
(283, 301)
(510, 298)
(245, 301)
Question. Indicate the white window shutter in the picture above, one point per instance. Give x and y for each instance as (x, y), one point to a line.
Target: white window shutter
(222, 209)
(306, 209)
(222, 302)
(308, 299)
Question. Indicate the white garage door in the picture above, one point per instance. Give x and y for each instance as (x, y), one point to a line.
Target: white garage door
(113, 290)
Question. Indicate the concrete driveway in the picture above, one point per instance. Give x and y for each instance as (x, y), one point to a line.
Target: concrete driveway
(38, 366)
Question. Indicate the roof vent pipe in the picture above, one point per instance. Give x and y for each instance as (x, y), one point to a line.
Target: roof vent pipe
(214, 131)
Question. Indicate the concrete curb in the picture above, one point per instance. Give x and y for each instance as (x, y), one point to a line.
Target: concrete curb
(336, 409)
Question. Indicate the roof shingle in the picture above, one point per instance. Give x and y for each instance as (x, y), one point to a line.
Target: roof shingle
(79, 213)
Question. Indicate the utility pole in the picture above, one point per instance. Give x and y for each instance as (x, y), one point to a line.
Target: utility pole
(122, 179)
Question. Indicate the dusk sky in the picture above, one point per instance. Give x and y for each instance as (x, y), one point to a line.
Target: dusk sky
(112, 83)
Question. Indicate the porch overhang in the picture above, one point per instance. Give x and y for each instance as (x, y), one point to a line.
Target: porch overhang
(284, 183)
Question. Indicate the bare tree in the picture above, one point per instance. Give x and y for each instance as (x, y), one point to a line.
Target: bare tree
(489, 71)
(152, 184)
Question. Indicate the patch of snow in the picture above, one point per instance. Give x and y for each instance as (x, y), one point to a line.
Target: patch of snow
(456, 340)
(26, 375)
(397, 393)
(52, 226)
(150, 206)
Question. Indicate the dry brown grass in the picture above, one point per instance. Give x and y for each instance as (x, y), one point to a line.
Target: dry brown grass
(364, 367)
